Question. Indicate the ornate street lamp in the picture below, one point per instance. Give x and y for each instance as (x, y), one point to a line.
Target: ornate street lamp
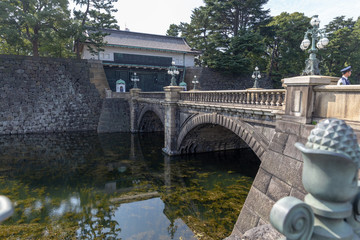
(195, 81)
(135, 79)
(173, 70)
(312, 64)
(256, 75)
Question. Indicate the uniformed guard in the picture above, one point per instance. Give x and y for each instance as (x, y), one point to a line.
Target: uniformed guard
(346, 73)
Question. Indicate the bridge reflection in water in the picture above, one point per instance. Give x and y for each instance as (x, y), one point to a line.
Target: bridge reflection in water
(112, 186)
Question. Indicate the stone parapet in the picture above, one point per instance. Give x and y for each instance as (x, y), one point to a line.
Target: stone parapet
(300, 97)
(338, 102)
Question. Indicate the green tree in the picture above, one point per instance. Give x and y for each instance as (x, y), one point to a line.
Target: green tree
(343, 48)
(173, 30)
(284, 34)
(89, 21)
(222, 29)
(29, 22)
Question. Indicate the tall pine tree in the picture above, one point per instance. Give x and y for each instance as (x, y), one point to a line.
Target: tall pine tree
(28, 23)
(92, 17)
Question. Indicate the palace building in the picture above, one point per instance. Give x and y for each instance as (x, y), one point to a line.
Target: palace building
(147, 55)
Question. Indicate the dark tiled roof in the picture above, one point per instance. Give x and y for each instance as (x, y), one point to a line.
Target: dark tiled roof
(149, 41)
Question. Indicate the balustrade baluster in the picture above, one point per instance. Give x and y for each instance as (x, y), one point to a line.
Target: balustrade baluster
(252, 97)
(278, 96)
(257, 98)
(240, 97)
(262, 100)
(283, 96)
(281, 99)
(273, 99)
(268, 98)
(236, 98)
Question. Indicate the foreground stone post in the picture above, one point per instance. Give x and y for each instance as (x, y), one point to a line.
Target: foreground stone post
(172, 96)
(134, 93)
(6, 208)
(330, 176)
(300, 97)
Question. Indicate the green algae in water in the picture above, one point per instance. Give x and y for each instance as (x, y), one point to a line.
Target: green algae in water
(73, 186)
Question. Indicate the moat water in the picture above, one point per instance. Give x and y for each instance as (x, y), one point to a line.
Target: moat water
(119, 186)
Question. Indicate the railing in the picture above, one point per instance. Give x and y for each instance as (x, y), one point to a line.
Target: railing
(273, 97)
(153, 95)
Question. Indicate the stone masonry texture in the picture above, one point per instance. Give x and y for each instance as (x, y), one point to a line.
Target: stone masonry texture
(39, 95)
(115, 116)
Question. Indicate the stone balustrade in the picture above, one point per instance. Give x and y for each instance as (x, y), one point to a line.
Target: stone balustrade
(271, 98)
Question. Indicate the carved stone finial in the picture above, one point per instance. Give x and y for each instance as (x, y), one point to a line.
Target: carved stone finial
(330, 176)
(336, 136)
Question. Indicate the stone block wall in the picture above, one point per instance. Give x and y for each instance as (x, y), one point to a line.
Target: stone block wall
(279, 176)
(46, 95)
(115, 116)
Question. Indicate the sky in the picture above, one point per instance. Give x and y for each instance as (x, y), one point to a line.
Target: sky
(155, 16)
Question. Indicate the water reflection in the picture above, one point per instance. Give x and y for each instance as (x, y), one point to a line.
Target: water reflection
(119, 186)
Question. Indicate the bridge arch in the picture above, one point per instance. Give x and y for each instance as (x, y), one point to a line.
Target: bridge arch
(152, 110)
(245, 131)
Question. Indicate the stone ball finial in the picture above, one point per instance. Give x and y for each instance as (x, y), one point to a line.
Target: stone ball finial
(336, 136)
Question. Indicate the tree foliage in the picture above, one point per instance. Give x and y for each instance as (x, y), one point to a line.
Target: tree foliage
(227, 33)
(343, 48)
(92, 17)
(45, 27)
(235, 36)
(283, 36)
(32, 24)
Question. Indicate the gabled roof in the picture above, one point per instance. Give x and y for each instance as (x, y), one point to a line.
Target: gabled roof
(129, 39)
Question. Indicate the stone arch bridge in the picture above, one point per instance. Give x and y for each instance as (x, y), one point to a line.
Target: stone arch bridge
(270, 122)
(208, 121)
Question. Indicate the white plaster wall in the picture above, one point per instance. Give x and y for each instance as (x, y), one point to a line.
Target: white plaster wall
(108, 55)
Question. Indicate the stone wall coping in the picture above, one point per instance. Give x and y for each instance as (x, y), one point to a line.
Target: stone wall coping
(309, 80)
(125, 95)
(336, 88)
(173, 89)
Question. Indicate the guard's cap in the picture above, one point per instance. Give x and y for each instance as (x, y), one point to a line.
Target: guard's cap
(347, 69)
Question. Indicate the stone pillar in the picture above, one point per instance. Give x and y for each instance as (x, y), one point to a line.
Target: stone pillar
(172, 95)
(134, 95)
(300, 97)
